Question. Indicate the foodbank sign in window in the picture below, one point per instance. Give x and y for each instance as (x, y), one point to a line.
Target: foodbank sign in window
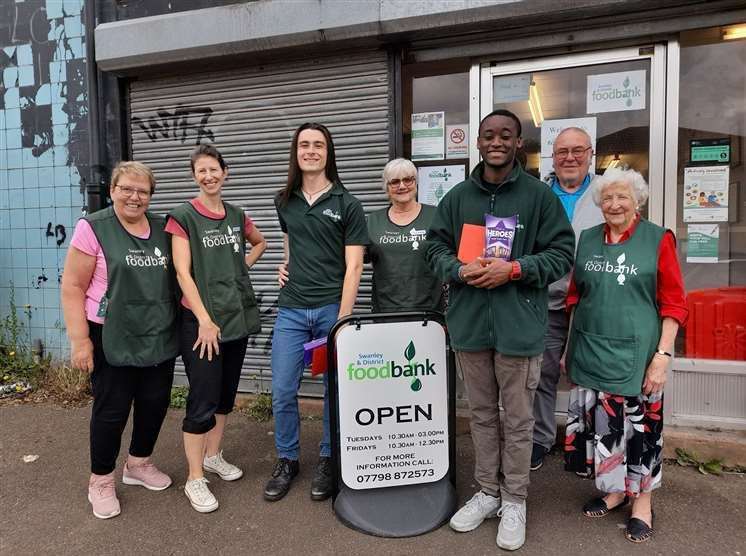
(393, 404)
(616, 92)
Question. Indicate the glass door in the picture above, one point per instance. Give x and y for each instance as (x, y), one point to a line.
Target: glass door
(617, 96)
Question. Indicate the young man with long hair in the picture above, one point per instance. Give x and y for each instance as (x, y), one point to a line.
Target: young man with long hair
(324, 237)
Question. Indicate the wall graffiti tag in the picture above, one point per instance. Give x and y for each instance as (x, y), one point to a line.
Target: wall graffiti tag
(179, 124)
(40, 280)
(59, 232)
(266, 316)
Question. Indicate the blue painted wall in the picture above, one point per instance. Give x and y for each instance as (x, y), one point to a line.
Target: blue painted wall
(43, 154)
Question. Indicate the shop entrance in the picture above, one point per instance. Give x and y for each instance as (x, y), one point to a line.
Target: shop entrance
(617, 96)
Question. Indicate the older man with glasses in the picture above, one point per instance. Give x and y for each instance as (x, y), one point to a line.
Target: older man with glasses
(572, 155)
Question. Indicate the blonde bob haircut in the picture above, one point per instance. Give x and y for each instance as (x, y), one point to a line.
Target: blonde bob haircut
(132, 167)
(632, 179)
(398, 167)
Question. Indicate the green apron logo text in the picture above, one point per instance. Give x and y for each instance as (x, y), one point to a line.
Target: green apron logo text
(370, 369)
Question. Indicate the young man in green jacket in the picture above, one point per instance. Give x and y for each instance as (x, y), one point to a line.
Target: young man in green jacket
(497, 316)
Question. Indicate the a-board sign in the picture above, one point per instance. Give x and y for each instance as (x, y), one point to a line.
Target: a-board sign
(393, 404)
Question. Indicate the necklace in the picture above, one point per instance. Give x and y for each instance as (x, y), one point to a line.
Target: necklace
(310, 197)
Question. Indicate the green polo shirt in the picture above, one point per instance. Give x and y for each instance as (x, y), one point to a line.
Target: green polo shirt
(317, 236)
(402, 279)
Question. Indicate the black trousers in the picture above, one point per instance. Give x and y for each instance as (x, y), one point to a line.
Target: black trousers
(115, 391)
(212, 384)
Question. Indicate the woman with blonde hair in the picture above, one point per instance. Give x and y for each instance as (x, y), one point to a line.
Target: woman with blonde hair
(118, 297)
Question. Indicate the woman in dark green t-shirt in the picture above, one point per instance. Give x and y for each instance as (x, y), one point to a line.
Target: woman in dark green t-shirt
(402, 280)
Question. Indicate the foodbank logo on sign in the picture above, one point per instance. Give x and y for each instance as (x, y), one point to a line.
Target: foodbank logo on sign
(372, 366)
(625, 93)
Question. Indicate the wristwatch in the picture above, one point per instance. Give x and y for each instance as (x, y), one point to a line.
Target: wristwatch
(515, 272)
(659, 351)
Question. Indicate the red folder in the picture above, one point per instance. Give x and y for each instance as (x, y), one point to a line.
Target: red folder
(318, 361)
(472, 243)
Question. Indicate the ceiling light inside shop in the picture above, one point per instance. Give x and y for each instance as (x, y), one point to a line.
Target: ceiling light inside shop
(534, 104)
(734, 32)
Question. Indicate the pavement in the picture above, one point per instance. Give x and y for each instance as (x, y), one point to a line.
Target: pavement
(44, 508)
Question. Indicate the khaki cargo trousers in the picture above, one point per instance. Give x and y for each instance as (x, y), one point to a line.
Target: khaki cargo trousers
(502, 464)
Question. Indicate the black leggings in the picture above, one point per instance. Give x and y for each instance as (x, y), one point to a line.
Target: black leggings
(115, 391)
(212, 384)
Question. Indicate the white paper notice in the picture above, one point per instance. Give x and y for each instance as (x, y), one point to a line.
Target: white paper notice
(435, 181)
(615, 92)
(706, 193)
(457, 137)
(550, 129)
(510, 88)
(428, 136)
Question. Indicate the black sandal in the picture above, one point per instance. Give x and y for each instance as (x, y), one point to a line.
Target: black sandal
(637, 530)
(598, 508)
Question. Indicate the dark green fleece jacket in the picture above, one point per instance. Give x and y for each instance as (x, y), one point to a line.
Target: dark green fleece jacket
(511, 318)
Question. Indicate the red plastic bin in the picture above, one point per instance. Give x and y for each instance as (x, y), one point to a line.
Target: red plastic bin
(716, 328)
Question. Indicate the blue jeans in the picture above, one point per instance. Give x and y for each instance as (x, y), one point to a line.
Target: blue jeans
(293, 328)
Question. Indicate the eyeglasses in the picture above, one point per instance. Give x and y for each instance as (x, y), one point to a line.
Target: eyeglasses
(129, 191)
(577, 152)
(396, 182)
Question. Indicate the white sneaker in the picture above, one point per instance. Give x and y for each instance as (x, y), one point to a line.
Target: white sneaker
(474, 512)
(216, 464)
(511, 533)
(200, 496)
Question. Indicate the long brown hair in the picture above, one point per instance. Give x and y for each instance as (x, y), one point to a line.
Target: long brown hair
(295, 175)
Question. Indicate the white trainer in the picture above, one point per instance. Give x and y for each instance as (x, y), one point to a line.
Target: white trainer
(511, 533)
(480, 507)
(200, 496)
(216, 464)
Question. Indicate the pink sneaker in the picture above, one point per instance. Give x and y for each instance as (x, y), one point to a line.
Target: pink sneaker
(103, 496)
(145, 474)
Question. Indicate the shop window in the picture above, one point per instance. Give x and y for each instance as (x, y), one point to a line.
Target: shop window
(548, 101)
(711, 192)
(436, 124)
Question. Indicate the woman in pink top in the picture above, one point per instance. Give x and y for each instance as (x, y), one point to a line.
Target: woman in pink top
(119, 302)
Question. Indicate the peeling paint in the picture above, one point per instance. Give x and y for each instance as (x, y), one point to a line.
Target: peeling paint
(43, 153)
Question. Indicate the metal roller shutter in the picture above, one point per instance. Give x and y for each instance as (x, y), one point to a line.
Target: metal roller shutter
(250, 115)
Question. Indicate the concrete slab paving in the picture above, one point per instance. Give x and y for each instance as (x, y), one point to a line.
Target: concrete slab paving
(45, 509)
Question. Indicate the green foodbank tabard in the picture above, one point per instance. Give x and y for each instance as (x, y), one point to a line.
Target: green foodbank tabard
(371, 366)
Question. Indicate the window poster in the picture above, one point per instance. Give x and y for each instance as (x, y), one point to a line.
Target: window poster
(435, 181)
(616, 92)
(706, 193)
(702, 243)
(510, 88)
(428, 136)
(457, 139)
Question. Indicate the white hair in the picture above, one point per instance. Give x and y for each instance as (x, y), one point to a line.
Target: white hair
(398, 166)
(576, 130)
(628, 177)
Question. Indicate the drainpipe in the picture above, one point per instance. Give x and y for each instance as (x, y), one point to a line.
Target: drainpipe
(93, 185)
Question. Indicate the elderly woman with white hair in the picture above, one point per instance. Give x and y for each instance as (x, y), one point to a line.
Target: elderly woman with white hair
(402, 280)
(627, 302)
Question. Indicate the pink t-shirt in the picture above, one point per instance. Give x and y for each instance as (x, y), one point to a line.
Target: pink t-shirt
(173, 227)
(85, 241)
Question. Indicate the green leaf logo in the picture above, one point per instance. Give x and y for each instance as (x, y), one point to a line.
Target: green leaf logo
(416, 385)
(409, 352)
